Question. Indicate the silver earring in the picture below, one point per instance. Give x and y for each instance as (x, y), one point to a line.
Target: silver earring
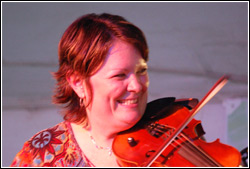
(81, 102)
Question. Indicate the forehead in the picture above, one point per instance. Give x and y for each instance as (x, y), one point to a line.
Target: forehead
(123, 54)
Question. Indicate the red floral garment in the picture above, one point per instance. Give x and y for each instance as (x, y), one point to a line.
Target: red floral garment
(55, 147)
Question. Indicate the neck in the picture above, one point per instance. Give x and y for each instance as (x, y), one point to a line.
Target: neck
(103, 133)
(102, 138)
(99, 157)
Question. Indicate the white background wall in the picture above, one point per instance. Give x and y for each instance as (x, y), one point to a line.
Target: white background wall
(191, 46)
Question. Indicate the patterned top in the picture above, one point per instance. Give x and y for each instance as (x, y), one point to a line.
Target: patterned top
(54, 147)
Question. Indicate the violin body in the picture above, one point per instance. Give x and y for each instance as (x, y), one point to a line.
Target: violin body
(133, 147)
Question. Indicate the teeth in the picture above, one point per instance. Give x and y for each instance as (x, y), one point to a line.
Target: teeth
(128, 102)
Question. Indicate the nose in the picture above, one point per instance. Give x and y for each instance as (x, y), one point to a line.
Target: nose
(135, 84)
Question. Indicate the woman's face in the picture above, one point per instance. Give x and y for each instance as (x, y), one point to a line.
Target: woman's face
(119, 88)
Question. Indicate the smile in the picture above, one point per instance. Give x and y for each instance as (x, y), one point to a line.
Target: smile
(128, 102)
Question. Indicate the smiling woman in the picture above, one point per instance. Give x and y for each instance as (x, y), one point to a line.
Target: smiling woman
(120, 94)
(102, 80)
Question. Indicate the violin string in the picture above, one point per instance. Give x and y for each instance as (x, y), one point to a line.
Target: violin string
(207, 156)
(188, 151)
(198, 153)
(191, 147)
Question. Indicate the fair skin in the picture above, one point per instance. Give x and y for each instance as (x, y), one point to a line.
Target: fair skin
(119, 101)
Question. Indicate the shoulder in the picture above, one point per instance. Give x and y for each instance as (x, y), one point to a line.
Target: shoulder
(50, 147)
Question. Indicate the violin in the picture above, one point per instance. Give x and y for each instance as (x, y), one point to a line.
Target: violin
(168, 136)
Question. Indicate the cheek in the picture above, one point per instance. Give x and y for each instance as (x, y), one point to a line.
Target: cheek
(109, 93)
(119, 91)
(145, 82)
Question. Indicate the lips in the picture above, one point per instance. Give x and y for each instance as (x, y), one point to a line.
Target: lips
(128, 101)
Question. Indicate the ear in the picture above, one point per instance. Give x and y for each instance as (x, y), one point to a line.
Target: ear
(77, 84)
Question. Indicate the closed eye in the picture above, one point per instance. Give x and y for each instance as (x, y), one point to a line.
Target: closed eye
(120, 75)
(142, 71)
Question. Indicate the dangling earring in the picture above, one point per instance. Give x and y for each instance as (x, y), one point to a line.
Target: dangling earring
(81, 99)
(81, 102)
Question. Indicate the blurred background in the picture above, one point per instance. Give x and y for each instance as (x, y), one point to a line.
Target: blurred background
(192, 44)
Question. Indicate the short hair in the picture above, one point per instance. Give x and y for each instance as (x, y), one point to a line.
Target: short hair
(83, 49)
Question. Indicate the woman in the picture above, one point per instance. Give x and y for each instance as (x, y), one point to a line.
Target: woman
(103, 81)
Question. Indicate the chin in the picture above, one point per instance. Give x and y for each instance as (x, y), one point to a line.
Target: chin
(129, 121)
